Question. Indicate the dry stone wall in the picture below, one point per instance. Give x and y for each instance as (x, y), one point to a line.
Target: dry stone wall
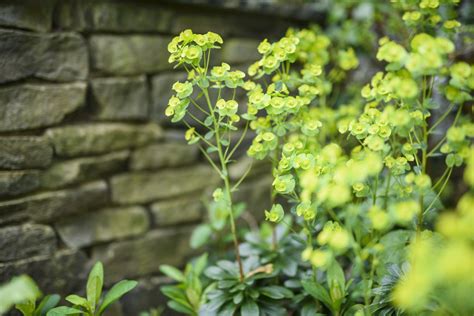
(89, 168)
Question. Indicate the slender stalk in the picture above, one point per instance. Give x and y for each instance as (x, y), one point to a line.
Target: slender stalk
(440, 190)
(441, 119)
(375, 189)
(387, 189)
(227, 187)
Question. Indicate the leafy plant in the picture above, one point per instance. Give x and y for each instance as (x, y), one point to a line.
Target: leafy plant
(29, 307)
(94, 303)
(188, 294)
(18, 290)
(252, 296)
(353, 197)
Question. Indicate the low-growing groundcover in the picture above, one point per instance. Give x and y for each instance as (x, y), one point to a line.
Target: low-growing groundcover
(357, 224)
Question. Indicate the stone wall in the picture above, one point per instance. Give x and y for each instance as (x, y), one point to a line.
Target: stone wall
(89, 168)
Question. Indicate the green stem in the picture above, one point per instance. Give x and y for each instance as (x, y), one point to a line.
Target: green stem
(374, 192)
(441, 119)
(440, 190)
(227, 187)
(387, 189)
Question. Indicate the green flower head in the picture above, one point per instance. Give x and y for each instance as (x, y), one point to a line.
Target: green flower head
(276, 214)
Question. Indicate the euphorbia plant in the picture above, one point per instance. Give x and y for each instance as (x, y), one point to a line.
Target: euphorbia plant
(221, 116)
(351, 171)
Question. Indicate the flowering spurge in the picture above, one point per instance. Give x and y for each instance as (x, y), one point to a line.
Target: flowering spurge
(440, 262)
(218, 117)
(351, 185)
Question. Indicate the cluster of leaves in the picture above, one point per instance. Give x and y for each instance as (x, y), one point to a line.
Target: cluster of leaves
(353, 201)
(23, 292)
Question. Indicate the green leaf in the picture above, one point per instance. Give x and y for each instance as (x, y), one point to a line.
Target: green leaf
(95, 282)
(79, 301)
(47, 303)
(276, 292)
(224, 142)
(26, 308)
(249, 308)
(200, 235)
(200, 264)
(208, 121)
(17, 291)
(63, 310)
(116, 292)
(228, 309)
(336, 274)
(209, 135)
(172, 272)
(317, 291)
(180, 308)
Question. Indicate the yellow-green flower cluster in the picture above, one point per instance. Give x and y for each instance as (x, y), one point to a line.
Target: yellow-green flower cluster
(276, 214)
(427, 14)
(274, 55)
(461, 83)
(177, 105)
(441, 268)
(458, 140)
(221, 75)
(189, 48)
(336, 237)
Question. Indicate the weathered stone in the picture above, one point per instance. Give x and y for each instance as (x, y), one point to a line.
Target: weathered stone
(85, 139)
(56, 56)
(161, 92)
(31, 106)
(230, 24)
(47, 206)
(23, 152)
(129, 54)
(109, 224)
(77, 170)
(18, 182)
(163, 155)
(107, 15)
(240, 50)
(201, 23)
(120, 98)
(28, 240)
(176, 211)
(62, 273)
(27, 14)
(142, 187)
(139, 257)
(145, 296)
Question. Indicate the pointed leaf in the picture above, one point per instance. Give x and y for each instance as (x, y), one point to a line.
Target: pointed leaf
(47, 303)
(180, 308)
(317, 291)
(200, 236)
(63, 310)
(116, 292)
(79, 301)
(172, 272)
(94, 285)
(249, 308)
(26, 308)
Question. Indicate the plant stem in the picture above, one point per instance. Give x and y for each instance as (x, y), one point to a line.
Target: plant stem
(387, 188)
(227, 187)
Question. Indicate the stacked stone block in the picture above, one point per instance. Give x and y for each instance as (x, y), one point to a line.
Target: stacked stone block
(89, 167)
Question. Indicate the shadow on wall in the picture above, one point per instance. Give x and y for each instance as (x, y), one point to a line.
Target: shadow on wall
(88, 168)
